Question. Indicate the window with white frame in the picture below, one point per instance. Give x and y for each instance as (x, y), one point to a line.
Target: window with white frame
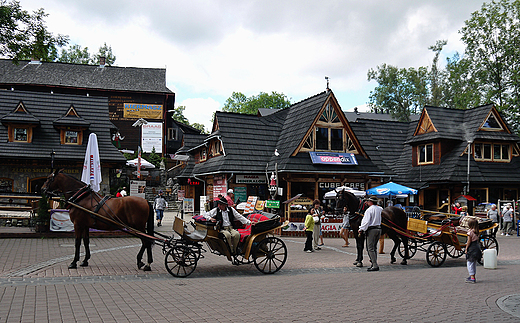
(425, 154)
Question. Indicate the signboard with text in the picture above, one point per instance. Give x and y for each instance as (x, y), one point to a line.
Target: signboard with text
(145, 111)
(152, 137)
(333, 158)
(250, 179)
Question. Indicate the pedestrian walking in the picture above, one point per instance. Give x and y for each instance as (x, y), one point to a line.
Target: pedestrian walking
(493, 215)
(309, 228)
(507, 216)
(345, 226)
(371, 226)
(160, 205)
(316, 213)
(473, 252)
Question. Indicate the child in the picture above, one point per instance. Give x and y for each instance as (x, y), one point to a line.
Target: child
(309, 228)
(345, 226)
(473, 252)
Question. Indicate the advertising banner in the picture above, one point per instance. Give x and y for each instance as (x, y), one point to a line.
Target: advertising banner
(251, 179)
(137, 188)
(333, 158)
(270, 204)
(219, 186)
(188, 205)
(145, 111)
(240, 193)
(152, 133)
(180, 195)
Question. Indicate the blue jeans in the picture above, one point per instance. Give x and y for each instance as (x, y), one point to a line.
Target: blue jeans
(159, 214)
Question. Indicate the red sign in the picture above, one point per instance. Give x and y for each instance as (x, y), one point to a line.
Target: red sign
(193, 183)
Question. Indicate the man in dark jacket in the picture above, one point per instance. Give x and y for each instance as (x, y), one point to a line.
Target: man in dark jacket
(226, 217)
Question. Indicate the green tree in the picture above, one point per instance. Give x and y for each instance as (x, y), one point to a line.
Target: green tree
(461, 88)
(239, 103)
(75, 54)
(178, 115)
(78, 55)
(24, 35)
(436, 74)
(492, 39)
(199, 126)
(106, 52)
(154, 158)
(401, 92)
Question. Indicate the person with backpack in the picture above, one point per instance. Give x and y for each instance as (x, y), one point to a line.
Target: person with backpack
(160, 205)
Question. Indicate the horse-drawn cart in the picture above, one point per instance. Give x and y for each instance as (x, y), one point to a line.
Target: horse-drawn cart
(257, 245)
(441, 234)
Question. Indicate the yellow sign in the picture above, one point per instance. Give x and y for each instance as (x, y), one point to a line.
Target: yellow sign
(138, 110)
(259, 205)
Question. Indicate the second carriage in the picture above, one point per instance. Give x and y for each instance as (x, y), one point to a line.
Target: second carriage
(440, 235)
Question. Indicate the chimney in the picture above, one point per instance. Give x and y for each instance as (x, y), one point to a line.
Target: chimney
(102, 61)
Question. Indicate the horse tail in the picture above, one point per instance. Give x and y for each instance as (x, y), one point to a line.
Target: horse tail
(150, 223)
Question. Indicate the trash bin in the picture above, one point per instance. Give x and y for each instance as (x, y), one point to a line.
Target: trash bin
(490, 259)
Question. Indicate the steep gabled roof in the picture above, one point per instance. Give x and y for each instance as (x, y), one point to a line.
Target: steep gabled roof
(71, 118)
(20, 114)
(47, 108)
(67, 75)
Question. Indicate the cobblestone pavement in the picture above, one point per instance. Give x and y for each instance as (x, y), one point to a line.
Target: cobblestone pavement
(36, 286)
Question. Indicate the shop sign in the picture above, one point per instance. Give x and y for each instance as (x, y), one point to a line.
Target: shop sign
(240, 193)
(152, 137)
(188, 205)
(333, 158)
(180, 195)
(137, 188)
(137, 110)
(219, 186)
(251, 179)
(333, 185)
(270, 204)
(192, 182)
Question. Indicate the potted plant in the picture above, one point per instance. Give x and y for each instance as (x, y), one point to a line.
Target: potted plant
(43, 216)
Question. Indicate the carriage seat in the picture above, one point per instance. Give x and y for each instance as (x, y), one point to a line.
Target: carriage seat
(180, 229)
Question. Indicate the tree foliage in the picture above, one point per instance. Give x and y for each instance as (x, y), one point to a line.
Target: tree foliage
(239, 103)
(178, 115)
(24, 35)
(78, 55)
(492, 39)
(400, 92)
(487, 72)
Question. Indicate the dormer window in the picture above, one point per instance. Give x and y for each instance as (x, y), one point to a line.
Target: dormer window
(71, 127)
(491, 123)
(425, 154)
(491, 152)
(20, 124)
(20, 134)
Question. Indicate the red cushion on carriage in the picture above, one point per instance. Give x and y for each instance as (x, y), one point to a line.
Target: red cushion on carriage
(244, 233)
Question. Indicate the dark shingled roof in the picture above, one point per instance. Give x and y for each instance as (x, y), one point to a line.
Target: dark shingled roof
(250, 142)
(48, 108)
(454, 127)
(84, 76)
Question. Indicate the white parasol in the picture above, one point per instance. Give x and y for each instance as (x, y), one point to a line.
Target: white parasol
(351, 190)
(144, 163)
(92, 164)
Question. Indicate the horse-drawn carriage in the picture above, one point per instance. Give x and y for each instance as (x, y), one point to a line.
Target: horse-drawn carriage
(257, 245)
(134, 215)
(442, 234)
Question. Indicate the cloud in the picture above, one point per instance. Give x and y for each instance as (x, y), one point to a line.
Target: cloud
(198, 109)
(212, 48)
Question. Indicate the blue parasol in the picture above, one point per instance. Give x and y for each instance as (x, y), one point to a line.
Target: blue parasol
(391, 189)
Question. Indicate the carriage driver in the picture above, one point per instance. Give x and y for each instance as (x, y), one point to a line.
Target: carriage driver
(226, 216)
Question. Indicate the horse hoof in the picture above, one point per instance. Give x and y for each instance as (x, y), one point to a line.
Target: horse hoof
(147, 268)
(84, 264)
(404, 262)
(359, 264)
(73, 266)
(140, 264)
(393, 261)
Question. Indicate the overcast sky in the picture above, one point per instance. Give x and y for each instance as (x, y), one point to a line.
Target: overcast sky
(211, 48)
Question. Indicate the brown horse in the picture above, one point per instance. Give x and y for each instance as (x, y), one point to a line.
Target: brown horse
(391, 217)
(130, 213)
